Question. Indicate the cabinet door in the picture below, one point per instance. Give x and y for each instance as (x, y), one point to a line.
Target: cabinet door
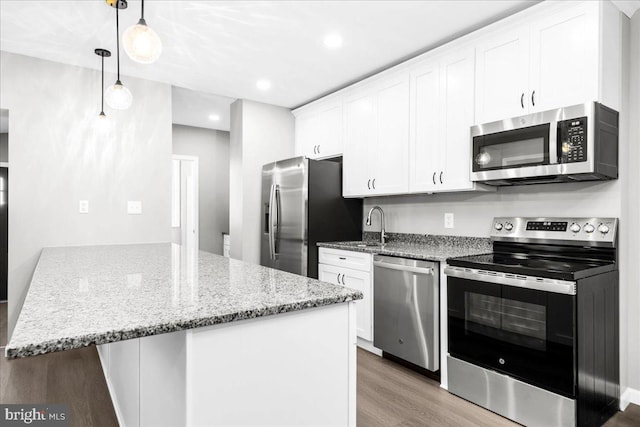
(425, 129)
(319, 131)
(564, 60)
(389, 161)
(358, 280)
(307, 135)
(360, 139)
(502, 75)
(361, 281)
(456, 89)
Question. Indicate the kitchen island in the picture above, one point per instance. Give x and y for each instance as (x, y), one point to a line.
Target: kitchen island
(192, 338)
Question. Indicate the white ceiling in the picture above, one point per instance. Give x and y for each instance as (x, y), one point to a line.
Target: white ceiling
(192, 108)
(224, 47)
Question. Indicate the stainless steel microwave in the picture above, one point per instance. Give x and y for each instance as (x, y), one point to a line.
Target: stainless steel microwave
(577, 143)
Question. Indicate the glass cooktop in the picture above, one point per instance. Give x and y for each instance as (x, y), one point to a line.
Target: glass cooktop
(549, 267)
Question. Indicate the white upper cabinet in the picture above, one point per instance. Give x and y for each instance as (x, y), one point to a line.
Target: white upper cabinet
(502, 76)
(319, 130)
(441, 116)
(376, 152)
(564, 58)
(550, 63)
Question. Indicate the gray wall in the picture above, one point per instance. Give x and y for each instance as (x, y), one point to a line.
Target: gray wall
(212, 149)
(58, 157)
(4, 147)
(260, 134)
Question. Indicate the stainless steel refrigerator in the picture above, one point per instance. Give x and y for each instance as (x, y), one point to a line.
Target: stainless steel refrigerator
(302, 205)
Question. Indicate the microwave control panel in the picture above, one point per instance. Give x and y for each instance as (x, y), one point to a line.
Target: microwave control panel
(572, 140)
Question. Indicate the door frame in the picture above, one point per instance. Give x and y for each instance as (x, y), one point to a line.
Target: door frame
(196, 189)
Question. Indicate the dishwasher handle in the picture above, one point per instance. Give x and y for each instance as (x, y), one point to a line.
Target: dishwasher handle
(409, 268)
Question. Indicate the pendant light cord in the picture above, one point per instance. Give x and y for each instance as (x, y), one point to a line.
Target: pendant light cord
(102, 88)
(118, 39)
(142, 12)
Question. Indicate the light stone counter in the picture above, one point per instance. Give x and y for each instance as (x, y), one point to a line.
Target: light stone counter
(103, 294)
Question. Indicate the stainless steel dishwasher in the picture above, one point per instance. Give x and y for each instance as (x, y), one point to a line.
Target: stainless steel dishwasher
(406, 299)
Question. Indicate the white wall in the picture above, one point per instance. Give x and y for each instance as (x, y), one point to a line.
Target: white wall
(58, 158)
(631, 296)
(260, 134)
(211, 147)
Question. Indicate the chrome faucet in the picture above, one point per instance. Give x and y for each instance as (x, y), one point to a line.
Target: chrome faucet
(383, 234)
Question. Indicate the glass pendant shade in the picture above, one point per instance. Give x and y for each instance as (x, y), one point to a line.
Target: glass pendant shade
(102, 122)
(118, 96)
(141, 43)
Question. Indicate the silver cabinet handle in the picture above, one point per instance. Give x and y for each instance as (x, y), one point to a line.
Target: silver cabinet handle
(373, 183)
(314, 149)
(533, 98)
(338, 278)
(522, 100)
(441, 172)
(318, 149)
(369, 184)
(343, 280)
(434, 178)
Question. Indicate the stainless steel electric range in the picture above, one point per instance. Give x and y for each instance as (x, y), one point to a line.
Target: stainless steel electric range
(533, 326)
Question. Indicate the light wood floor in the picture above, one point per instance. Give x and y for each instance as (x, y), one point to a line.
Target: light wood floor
(389, 395)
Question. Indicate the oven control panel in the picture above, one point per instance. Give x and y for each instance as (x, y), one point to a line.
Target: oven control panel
(572, 140)
(580, 231)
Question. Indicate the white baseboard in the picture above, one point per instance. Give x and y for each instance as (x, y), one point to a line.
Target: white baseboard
(629, 395)
(368, 345)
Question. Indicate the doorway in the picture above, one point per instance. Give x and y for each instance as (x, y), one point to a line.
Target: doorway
(184, 201)
(4, 203)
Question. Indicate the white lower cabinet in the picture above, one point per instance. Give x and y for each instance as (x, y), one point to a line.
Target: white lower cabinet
(353, 270)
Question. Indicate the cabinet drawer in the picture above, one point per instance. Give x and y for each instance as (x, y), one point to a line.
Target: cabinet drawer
(345, 259)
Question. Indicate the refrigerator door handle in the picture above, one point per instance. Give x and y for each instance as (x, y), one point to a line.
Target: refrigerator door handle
(276, 220)
(271, 215)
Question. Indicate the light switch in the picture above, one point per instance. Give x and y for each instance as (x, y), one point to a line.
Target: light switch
(448, 220)
(83, 206)
(134, 207)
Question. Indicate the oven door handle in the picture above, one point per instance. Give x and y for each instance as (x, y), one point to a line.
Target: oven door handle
(538, 283)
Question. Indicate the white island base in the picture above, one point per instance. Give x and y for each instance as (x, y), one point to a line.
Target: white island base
(296, 368)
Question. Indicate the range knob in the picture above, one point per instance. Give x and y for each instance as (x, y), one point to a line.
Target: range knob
(603, 228)
(508, 226)
(574, 227)
(588, 228)
(498, 226)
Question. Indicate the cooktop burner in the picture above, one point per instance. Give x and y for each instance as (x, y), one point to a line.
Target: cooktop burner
(555, 248)
(553, 268)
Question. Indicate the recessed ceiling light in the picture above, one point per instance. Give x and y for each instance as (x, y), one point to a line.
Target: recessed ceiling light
(214, 117)
(263, 84)
(333, 41)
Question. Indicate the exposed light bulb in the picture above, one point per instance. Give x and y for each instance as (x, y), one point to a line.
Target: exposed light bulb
(102, 122)
(118, 96)
(141, 43)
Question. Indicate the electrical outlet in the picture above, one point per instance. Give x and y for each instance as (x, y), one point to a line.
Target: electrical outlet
(134, 207)
(83, 206)
(448, 220)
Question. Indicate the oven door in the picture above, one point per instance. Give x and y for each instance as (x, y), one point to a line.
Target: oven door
(524, 333)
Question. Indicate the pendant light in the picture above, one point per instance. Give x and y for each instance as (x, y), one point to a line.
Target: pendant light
(118, 96)
(102, 53)
(141, 43)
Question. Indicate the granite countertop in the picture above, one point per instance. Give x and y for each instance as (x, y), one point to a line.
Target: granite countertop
(416, 246)
(101, 294)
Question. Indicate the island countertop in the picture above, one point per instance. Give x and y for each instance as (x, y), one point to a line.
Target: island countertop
(101, 294)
